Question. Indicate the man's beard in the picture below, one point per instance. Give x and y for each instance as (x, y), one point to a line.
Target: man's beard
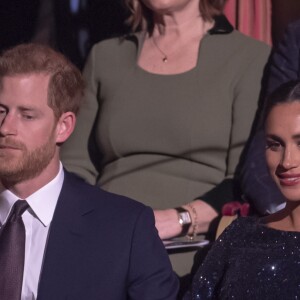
(24, 164)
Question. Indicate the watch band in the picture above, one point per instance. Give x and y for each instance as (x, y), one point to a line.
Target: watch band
(184, 219)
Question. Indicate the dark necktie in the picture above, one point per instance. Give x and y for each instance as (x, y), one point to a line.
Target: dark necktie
(12, 253)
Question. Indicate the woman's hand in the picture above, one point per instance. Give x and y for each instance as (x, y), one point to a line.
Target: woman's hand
(167, 224)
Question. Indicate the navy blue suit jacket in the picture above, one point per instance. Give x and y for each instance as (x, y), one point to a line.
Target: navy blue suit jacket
(103, 246)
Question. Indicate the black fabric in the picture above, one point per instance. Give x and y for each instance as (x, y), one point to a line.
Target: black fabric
(12, 253)
(221, 26)
(250, 261)
(226, 191)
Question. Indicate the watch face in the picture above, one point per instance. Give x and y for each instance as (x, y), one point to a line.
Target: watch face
(185, 218)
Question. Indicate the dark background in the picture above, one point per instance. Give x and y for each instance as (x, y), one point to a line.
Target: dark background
(74, 30)
(71, 26)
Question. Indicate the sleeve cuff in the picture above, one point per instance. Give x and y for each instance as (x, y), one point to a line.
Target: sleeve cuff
(224, 192)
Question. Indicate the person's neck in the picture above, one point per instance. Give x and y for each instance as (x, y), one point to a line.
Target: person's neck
(294, 215)
(180, 25)
(287, 219)
(27, 187)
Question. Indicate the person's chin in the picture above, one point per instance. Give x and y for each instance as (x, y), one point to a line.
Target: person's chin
(10, 161)
(291, 191)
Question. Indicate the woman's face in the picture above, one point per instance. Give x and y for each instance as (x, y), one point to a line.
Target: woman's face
(282, 130)
(169, 6)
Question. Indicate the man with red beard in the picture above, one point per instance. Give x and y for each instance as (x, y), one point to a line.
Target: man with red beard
(61, 238)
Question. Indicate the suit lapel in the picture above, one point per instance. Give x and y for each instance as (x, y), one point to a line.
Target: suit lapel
(64, 246)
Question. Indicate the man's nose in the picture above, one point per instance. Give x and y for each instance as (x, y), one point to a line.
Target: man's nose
(8, 125)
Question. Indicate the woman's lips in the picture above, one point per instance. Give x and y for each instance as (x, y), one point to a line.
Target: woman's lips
(289, 179)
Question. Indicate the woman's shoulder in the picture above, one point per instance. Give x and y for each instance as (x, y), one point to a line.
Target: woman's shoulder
(254, 232)
(116, 44)
(242, 226)
(242, 51)
(243, 45)
(241, 222)
(249, 41)
(113, 55)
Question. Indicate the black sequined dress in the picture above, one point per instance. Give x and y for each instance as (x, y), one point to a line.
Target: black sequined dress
(250, 261)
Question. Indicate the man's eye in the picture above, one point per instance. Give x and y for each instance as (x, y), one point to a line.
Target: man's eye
(28, 117)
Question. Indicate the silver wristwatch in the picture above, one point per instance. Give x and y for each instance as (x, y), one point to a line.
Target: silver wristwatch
(184, 219)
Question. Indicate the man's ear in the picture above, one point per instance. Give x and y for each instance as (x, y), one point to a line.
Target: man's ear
(65, 126)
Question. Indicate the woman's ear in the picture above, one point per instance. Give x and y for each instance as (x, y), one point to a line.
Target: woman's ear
(65, 126)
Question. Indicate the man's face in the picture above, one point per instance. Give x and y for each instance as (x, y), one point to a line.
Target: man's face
(27, 127)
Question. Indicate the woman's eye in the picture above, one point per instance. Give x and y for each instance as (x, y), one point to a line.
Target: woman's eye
(2, 111)
(272, 145)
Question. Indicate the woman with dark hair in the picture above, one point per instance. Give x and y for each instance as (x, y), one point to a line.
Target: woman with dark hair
(258, 258)
(257, 185)
(168, 111)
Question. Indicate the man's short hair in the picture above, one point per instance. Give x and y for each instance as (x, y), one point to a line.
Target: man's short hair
(66, 85)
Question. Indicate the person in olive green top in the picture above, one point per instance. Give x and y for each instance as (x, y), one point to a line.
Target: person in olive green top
(168, 111)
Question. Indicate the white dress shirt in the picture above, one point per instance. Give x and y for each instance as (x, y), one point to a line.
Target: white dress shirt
(37, 220)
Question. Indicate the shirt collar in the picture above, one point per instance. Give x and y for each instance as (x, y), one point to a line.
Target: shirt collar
(221, 26)
(42, 202)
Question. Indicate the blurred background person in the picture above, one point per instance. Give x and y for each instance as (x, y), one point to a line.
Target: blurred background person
(168, 110)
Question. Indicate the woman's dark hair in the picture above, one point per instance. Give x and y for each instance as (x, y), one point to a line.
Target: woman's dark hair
(141, 17)
(286, 93)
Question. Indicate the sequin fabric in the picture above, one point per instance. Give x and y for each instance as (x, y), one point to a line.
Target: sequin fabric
(250, 261)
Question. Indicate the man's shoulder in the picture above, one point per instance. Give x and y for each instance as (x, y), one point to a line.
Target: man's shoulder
(100, 209)
(84, 191)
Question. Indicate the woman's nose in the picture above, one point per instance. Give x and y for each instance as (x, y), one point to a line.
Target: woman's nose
(290, 158)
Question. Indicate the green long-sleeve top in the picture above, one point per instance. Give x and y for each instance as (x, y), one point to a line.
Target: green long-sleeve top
(167, 139)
